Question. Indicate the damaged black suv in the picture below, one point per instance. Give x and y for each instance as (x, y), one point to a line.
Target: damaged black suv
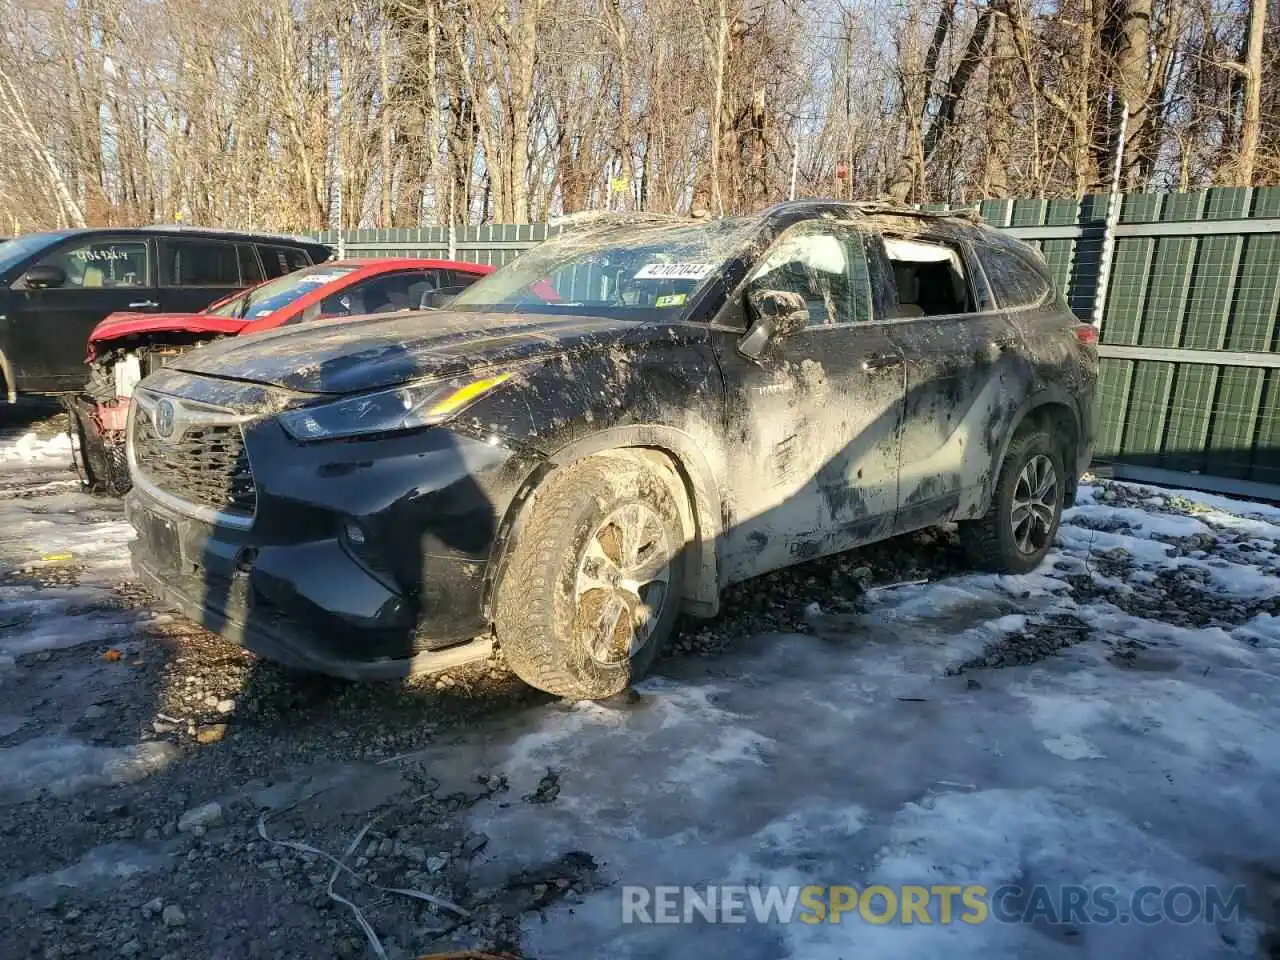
(608, 431)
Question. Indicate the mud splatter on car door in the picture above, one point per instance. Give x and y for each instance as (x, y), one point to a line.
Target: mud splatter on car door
(814, 417)
(965, 373)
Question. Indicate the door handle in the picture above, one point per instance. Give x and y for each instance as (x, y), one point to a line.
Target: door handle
(143, 305)
(882, 361)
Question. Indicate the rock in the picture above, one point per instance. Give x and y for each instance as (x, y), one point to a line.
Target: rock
(209, 815)
(159, 726)
(131, 949)
(173, 916)
(95, 712)
(435, 864)
(416, 854)
(152, 907)
(211, 732)
(225, 706)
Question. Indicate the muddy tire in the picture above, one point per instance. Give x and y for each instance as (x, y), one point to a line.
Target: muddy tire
(1026, 507)
(592, 588)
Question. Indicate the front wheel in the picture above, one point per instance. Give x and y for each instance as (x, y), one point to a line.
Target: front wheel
(593, 585)
(1026, 507)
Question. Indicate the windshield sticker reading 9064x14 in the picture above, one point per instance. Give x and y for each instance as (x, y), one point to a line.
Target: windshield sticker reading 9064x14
(674, 271)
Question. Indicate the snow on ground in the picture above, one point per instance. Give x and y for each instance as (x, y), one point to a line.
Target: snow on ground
(1112, 719)
(1139, 751)
(52, 536)
(30, 448)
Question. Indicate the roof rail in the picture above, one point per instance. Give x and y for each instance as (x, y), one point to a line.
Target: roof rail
(606, 218)
(971, 214)
(196, 228)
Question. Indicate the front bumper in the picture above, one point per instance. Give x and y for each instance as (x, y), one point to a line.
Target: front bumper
(293, 587)
(99, 453)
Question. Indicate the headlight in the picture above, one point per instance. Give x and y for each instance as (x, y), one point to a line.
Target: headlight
(401, 408)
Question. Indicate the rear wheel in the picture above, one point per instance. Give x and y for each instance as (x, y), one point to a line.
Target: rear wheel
(592, 589)
(1025, 510)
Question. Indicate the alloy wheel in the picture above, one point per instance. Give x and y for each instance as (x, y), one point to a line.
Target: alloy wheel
(1035, 503)
(622, 584)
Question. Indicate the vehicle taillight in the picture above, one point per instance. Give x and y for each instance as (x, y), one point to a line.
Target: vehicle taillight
(1087, 334)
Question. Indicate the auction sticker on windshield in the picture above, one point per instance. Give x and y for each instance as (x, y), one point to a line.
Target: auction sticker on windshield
(674, 271)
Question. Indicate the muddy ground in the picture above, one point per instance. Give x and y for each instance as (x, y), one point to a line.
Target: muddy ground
(165, 795)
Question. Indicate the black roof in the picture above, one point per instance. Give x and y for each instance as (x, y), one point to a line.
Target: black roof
(180, 229)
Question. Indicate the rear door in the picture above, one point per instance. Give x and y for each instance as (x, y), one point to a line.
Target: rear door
(196, 271)
(104, 274)
(964, 366)
(813, 423)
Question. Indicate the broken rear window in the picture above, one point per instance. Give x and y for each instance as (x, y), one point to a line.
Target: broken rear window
(635, 271)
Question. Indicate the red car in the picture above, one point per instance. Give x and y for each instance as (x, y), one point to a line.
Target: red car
(125, 347)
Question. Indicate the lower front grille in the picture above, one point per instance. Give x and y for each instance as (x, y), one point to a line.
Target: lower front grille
(207, 465)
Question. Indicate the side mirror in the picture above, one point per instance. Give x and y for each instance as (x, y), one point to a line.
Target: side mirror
(44, 276)
(775, 315)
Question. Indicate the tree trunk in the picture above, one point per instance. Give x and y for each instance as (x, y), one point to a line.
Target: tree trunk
(1251, 116)
(1132, 57)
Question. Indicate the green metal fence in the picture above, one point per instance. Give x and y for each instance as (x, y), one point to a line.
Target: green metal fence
(1190, 390)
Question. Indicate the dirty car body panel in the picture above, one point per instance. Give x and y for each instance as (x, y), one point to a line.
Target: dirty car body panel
(343, 496)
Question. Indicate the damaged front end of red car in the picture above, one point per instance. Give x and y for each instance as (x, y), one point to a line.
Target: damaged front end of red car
(99, 414)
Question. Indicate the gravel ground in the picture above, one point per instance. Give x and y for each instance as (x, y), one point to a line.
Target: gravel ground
(164, 794)
(222, 727)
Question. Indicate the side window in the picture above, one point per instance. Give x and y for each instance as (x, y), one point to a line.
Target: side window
(1014, 280)
(459, 280)
(277, 261)
(103, 262)
(929, 278)
(250, 269)
(198, 263)
(385, 294)
(828, 267)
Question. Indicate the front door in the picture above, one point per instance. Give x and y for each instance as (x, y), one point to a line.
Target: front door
(813, 423)
(103, 275)
(963, 363)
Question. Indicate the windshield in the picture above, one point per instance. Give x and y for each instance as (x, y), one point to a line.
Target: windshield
(13, 252)
(271, 296)
(631, 272)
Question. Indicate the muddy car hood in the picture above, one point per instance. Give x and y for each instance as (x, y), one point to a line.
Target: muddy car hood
(352, 355)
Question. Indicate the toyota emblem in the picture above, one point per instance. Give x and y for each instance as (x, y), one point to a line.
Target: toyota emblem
(164, 418)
